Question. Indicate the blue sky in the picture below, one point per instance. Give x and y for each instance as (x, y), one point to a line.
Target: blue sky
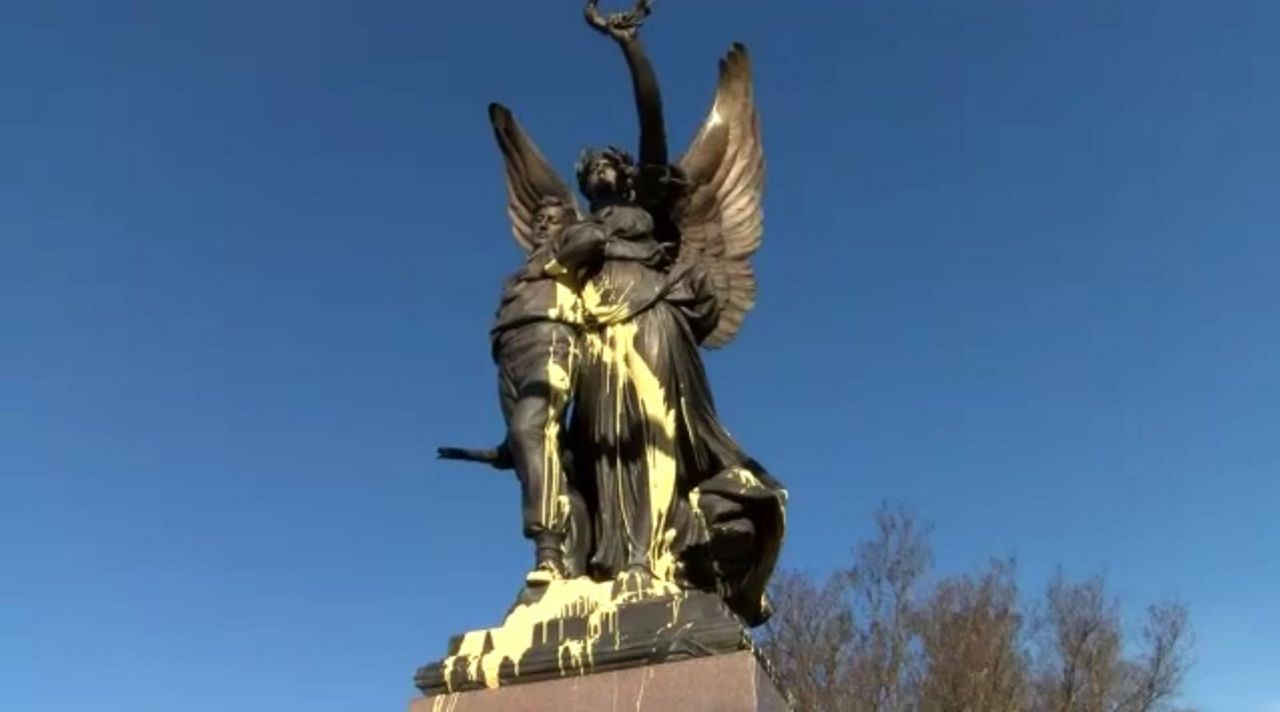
(1019, 275)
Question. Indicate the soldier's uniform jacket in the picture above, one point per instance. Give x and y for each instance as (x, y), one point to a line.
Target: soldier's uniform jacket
(531, 295)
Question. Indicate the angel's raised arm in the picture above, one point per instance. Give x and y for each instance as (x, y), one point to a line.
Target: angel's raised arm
(624, 28)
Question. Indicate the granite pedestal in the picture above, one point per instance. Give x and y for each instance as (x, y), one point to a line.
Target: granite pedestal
(734, 682)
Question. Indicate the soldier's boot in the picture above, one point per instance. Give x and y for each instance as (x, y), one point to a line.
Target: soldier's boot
(549, 560)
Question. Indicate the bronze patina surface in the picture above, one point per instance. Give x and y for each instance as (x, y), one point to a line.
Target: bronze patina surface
(654, 532)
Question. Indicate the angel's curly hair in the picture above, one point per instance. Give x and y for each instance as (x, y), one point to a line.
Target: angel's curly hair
(621, 160)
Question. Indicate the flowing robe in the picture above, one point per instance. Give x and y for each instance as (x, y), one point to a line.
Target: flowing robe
(669, 489)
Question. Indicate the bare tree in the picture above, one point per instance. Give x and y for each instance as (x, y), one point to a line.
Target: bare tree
(809, 639)
(876, 638)
(1152, 681)
(1080, 648)
(970, 635)
(1083, 668)
(884, 583)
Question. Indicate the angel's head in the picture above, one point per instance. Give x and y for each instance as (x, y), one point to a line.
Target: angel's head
(606, 175)
(551, 218)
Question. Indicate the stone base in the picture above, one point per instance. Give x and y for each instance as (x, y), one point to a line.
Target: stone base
(734, 682)
(581, 627)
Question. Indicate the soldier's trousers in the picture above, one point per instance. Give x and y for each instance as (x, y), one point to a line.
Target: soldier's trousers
(536, 372)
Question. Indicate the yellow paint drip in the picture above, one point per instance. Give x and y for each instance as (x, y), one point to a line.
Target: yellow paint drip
(560, 381)
(568, 305)
(614, 345)
(469, 652)
(567, 308)
(695, 507)
(445, 703)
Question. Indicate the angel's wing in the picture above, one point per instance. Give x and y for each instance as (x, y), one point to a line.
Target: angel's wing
(530, 178)
(720, 217)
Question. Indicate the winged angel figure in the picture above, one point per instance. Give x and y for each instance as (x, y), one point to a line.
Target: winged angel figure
(606, 318)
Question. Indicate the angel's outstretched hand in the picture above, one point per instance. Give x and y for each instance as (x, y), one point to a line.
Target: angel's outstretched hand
(621, 26)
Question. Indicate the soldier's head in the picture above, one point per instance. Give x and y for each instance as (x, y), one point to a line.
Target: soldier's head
(606, 175)
(550, 219)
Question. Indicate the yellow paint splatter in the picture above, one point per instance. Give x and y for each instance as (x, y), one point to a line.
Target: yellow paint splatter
(560, 381)
(567, 308)
(613, 344)
(605, 310)
(745, 477)
(469, 652)
(483, 653)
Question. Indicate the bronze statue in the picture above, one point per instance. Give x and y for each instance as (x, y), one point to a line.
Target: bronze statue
(642, 490)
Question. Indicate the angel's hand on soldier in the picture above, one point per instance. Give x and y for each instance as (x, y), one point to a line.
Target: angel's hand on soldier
(579, 246)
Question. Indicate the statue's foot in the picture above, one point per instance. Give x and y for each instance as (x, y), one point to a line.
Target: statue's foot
(544, 573)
